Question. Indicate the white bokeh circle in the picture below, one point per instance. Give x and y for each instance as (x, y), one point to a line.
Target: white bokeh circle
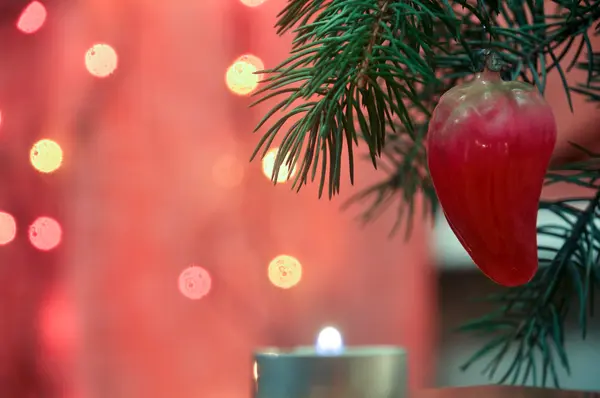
(194, 282)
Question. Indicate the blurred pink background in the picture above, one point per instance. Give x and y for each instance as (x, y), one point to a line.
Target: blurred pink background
(156, 178)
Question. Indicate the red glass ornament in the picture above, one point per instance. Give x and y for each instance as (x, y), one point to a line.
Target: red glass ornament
(489, 147)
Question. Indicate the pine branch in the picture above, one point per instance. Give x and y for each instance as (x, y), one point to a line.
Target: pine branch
(363, 76)
(591, 88)
(354, 72)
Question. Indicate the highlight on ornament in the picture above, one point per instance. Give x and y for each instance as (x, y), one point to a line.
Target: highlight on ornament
(285, 271)
(45, 233)
(241, 77)
(329, 342)
(253, 3)
(8, 228)
(101, 60)
(32, 18)
(285, 171)
(194, 282)
(46, 156)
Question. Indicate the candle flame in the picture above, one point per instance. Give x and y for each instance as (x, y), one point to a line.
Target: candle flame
(329, 342)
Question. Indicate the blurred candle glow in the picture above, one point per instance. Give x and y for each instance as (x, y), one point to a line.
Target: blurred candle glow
(45, 233)
(253, 60)
(194, 282)
(241, 77)
(329, 342)
(101, 60)
(252, 3)
(32, 18)
(285, 271)
(46, 156)
(8, 228)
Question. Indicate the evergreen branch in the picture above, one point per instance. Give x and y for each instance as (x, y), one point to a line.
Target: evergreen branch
(591, 88)
(354, 72)
(362, 76)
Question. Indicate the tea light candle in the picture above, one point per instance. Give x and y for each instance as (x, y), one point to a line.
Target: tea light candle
(330, 370)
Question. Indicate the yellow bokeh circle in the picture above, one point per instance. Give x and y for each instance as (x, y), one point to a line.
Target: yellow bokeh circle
(268, 165)
(285, 271)
(8, 228)
(46, 156)
(101, 60)
(252, 60)
(241, 77)
(252, 3)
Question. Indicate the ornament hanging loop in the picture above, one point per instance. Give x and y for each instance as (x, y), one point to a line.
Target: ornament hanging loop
(492, 61)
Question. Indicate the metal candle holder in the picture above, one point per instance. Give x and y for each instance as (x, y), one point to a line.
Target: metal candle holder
(357, 372)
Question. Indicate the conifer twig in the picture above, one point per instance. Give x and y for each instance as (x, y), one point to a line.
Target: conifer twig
(362, 74)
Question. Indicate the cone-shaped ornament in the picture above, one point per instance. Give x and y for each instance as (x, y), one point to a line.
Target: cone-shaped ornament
(489, 147)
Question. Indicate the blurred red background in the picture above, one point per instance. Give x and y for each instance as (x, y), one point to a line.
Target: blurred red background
(154, 178)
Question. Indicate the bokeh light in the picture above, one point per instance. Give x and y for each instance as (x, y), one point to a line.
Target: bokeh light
(32, 18)
(253, 60)
(268, 165)
(45, 233)
(46, 156)
(101, 60)
(8, 228)
(241, 76)
(285, 271)
(252, 3)
(228, 171)
(194, 282)
(58, 323)
(329, 342)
